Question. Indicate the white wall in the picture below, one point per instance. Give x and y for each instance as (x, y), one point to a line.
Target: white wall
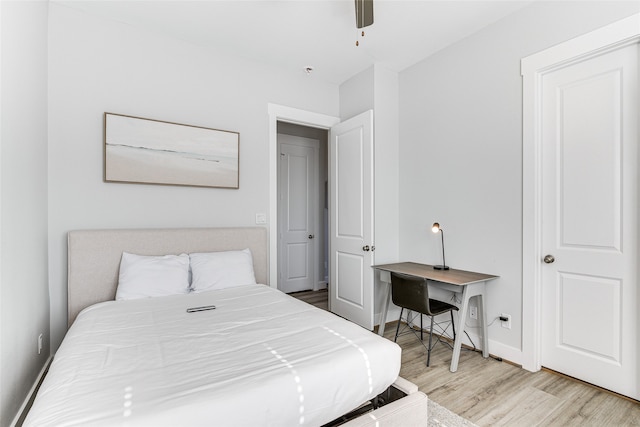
(387, 179)
(24, 296)
(461, 149)
(98, 65)
(357, 94)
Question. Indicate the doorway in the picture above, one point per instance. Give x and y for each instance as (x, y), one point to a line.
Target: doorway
(302, 208)
(283, 114)
(363, 242)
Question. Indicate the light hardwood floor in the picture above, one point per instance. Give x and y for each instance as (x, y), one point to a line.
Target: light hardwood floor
(493, 393)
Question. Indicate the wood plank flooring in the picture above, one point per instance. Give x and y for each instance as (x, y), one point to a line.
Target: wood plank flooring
(493, 393)
(318, 298)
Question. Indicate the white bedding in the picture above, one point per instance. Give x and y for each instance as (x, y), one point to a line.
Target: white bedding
(260, 358)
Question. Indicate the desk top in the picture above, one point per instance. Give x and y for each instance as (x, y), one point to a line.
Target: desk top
(451, 276)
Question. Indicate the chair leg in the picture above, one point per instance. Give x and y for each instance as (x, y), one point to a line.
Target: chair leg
(398, 327)
(453, 325)
(421, 328)
(429, 348)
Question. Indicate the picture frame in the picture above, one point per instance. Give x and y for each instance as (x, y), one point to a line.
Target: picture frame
(147, 151)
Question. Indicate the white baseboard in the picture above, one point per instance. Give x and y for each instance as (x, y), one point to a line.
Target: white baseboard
(321, 286)
(496, 348)
(392, 315)
(24, 405)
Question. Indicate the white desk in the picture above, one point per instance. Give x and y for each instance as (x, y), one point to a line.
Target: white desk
(468, 283)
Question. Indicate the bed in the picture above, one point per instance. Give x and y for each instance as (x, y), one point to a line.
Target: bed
(260, 357)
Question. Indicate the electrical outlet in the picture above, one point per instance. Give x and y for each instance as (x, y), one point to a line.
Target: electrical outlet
(39, 343)
(473, 312)
(506, 323)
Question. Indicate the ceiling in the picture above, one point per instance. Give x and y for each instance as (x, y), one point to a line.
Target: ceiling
(318, 33)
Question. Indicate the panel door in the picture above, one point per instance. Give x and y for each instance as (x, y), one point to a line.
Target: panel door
(351, 224)
(590, 220)
(298, 168)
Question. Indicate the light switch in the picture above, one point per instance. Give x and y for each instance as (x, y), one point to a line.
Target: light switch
(261, 218)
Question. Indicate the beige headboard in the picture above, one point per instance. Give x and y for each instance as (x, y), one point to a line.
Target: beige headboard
(94, 255)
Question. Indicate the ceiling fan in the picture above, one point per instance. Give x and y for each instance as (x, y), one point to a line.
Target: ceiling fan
(364, 15)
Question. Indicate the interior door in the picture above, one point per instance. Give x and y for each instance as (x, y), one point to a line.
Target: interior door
(298, 169)
(351, 225)
(590, 219)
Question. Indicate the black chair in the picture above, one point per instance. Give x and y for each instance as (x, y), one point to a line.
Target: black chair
(412, 293)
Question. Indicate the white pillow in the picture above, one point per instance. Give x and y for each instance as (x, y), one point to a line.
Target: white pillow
(152, 276)
(219, 270)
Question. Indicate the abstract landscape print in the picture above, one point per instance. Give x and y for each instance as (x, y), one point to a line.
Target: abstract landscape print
(138, 150)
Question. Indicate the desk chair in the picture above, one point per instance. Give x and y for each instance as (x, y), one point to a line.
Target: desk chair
(412, 293)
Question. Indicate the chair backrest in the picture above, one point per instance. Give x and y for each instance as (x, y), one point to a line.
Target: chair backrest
(410, 292)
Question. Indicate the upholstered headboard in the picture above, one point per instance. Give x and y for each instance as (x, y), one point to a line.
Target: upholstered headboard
(94, 255)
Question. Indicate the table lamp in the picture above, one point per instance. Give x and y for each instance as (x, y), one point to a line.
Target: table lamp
(435, 228)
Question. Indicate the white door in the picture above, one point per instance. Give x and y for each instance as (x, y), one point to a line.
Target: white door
(590, 220)
(298, 192)
(351, 224)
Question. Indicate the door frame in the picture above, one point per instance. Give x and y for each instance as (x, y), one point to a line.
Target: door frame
(611, 37)
(281, 113)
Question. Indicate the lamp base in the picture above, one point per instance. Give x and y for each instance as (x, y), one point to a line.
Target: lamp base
(440, 267)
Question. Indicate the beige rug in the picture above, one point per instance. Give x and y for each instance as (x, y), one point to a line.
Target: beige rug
(439, 416)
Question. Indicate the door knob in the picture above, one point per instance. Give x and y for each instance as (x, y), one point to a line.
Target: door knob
(548, 259)
(311, 236)
(366, 248)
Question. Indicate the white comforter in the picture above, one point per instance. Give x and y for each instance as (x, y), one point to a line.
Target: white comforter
(260, 358)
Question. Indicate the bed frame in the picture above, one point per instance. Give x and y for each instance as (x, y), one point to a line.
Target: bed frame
(94, 255)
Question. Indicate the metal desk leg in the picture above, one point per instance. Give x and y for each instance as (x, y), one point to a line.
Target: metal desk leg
(462, 315)
(385, 309)
(471, 290)
(483, 318)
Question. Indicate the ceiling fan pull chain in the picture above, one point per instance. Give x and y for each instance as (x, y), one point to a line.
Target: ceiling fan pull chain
(361, 35)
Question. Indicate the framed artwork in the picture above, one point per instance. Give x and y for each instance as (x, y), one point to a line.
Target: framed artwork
(138, 150)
